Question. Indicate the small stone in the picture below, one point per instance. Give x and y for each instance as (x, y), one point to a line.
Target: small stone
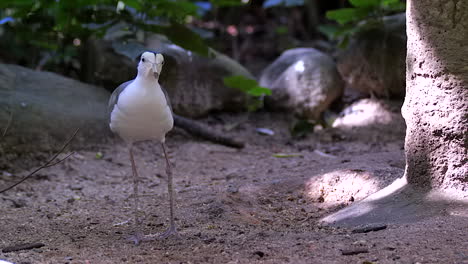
(75, 187)
(259, 253)
(265, 131)
(232, 189)
(209, 240)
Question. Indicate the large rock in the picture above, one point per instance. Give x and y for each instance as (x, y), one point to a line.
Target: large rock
(303, 80)
(374, 61)
(371, 112)
(40, 110)
(374, 118)
(194, 83)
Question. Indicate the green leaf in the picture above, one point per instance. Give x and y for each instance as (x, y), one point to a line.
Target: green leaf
(259, 91)
(227, 3)
(186, 38)
(239, 82)
(246, 85)
(390, 2)
(99, 155)
(346, 15)
(366, 3)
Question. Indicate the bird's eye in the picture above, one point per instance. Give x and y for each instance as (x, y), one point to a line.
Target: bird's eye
(143, 59)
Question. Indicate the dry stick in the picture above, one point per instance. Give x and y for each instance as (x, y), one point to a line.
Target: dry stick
(57, 162)
(369, 228)
(355, 251)
(10, 118)
(195, 128)
(45, 165)
(22, 247)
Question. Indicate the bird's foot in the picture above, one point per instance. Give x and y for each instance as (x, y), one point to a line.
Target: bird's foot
(171, 231)
(137, 238)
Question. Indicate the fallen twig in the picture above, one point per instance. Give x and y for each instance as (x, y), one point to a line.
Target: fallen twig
(10, 118)
(355, 251)
(45, 165)
(199, 130)
(369, 228)
(22, 247)
(57, 162)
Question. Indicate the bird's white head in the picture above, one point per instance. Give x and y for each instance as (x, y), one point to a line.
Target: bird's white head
(150, 64)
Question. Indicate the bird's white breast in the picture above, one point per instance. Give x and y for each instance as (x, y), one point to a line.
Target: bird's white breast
(141, 113)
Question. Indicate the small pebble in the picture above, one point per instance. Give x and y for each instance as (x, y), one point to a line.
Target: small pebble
(75, 187)
(259, 253)
(265, 131)
(232, 189)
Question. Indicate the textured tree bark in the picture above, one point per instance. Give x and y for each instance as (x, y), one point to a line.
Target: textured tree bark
(436, 103)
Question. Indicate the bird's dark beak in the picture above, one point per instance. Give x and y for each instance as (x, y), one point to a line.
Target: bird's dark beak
(155, 71)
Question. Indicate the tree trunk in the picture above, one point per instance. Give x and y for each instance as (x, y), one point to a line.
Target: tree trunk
(436, 103)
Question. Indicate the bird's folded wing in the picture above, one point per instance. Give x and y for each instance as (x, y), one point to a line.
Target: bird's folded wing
(115, 96)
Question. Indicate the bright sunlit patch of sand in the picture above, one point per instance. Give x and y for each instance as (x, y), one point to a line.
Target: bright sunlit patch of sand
(341, 186)
(363, 113)
(367, 205)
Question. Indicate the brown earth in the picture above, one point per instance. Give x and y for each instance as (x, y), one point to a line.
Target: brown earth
(233, 206)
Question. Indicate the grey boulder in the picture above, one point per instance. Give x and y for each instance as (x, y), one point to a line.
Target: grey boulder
(302, 80)
(40, 110)
(374, 61)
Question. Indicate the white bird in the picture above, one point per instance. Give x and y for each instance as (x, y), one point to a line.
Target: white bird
(139, 110)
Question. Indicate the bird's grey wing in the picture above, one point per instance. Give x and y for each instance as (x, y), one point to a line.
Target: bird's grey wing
(114, 98)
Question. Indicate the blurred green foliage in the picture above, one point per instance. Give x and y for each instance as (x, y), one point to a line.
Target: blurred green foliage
(58, 27)
(246, 85)
(250, 87)
(54, 24)
(362, 16)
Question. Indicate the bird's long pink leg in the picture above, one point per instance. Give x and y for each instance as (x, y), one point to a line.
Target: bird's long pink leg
(172, 230)
(137, 236)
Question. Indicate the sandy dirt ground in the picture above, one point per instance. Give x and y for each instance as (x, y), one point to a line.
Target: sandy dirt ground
(260, 204)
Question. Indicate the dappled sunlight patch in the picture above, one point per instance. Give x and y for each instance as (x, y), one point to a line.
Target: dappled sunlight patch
(366, 206)
(367, 112)
(279, 202)
(341, 186)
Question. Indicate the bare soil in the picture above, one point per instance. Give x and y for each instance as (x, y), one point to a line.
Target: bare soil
(260, 204)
